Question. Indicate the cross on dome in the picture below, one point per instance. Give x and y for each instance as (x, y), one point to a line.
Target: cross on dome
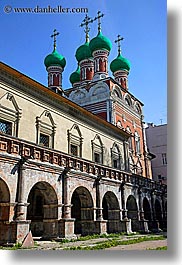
(85, 23)
(54, 37)
(119, 43)
(99, 20)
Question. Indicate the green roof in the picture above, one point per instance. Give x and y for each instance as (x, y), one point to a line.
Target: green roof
(75, 76)
(83, 52)
(120, 63)
(55, 59)
(100, 42)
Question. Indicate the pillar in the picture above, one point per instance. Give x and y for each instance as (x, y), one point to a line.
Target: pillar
(125, 222)
(101, 224)
(66, 224)
(126, 157)
(143, 223)
(124, 211)
(22, 225)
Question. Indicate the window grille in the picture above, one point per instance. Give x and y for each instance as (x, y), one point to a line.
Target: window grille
(5, 127)
(97, 158)
(115, 163)
(44, 140)
(74, 150)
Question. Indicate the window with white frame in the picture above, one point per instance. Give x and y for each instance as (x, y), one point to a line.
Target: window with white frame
(97, 150)
(137, 143)
(116, 156)
(10, 115)
(129, 139)
(75, 141)
(46, 129)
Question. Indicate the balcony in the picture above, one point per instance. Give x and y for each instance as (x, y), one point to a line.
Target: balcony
(19, 148)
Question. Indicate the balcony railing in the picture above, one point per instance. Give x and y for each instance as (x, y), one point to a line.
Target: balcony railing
(21, 148)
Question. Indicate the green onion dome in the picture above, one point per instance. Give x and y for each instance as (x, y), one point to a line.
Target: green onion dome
(120, 63)
(55, 59)
(100, 42)
(75, 76)
(83, 52)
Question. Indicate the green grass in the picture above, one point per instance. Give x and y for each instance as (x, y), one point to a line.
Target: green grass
(158, 248)
(14, 247)
(95, 236)
(113, 243)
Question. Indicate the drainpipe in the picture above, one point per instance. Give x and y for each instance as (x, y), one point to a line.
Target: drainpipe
(144, 147)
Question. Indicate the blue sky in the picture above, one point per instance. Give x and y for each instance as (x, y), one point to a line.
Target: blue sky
(25, 41)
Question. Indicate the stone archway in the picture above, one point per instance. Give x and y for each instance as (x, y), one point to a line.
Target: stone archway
(43, 210)
(111, 212)
(146, 209)
(6, 229)
(132, 212)
(158, 213)
(82, 211)
(4, 201)
(147, 213)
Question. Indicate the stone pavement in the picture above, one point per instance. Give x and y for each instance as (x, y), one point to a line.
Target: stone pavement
(142, 245)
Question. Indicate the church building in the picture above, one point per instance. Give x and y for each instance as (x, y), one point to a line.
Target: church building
(75, 161)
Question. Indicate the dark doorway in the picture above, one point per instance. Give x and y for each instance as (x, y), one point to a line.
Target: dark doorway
(132, 212)
(43, 202)
(82, 211)
(111, 212)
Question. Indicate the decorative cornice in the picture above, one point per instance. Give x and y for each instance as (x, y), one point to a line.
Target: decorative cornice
(66, 106)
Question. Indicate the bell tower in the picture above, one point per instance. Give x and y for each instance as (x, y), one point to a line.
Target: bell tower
(55, 64)
(100, 47)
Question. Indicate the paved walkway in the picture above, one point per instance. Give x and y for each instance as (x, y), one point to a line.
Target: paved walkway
(48, 245)
(142, 245)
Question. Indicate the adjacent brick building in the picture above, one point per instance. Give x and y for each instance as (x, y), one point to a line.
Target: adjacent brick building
(156, 136)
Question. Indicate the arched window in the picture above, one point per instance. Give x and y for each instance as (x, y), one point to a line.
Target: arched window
(117, 92)
(137, 143)
(75, 141)
(138, 108)
(10, 115)
(129, 139)
(139, 169)
(46, 129)
(115, 156)
(128, 100)
(97, 150)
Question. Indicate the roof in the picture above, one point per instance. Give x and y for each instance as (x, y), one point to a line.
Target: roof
(39, 86)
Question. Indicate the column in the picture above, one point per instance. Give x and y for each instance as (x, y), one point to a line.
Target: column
(141, 212)
(142, 221)
(155, 222)
(66, 224)
(125, 222)
(124, 211)
(22, 225)
(126, 158)
(101, 224)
